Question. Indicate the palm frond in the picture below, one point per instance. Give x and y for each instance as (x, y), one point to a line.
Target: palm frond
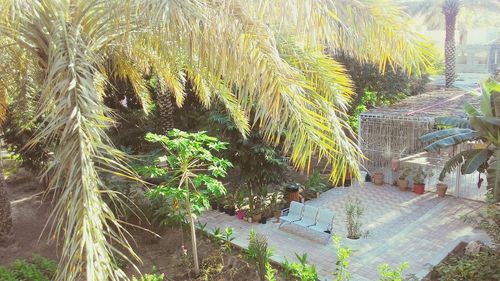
(75, 121)
(457, 160)
(443, 134)
(451, 140)
(493, 175)
(453, 121)
(475, 160)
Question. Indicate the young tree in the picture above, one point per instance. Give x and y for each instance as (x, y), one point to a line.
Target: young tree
(195, 171)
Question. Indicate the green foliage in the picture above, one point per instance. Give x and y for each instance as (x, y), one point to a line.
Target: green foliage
(374, 88)
(194, 171)
(17, 137)
(35, 269)
(354, 211)
(270, 272)
(488, 219)
(405, 172)
(223, 238)
(188, 155)
(343, 253)
(315, 183)
(484, 266)
(259, 163)
(420, 174)
(389, 274)
(301, 271)
(153, 276)
(259, 253)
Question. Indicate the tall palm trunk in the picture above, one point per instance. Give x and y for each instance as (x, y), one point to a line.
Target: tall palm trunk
(450, 11)
(6, 232)
(165, 108)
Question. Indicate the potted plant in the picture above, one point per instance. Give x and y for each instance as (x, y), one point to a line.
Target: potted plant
(240, 202)
(257, 208)
(402, 181)
(441, 188)
(315, 184)
(275, 200)
(419, 180)
(378, 178)
(229, 205)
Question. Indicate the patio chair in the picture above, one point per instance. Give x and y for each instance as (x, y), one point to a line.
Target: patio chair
(294, 213)
(324, 222)
(308, 217)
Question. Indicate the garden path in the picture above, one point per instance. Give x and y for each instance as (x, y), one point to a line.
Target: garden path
(403, 227)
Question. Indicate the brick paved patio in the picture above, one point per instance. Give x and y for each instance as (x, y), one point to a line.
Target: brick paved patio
(402, 227)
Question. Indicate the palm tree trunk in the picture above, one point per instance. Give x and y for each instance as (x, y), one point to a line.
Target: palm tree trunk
(165, 109)
(6, 231)
(450, 11)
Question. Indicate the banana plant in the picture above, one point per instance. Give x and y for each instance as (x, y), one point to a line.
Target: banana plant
(482, 127)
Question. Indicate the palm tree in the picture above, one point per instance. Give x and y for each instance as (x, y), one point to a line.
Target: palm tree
(434, 11)
(6, 231)
(165, 109)
(261, 57)
(450, 11)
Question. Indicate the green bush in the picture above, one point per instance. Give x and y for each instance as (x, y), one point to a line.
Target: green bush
(259, 253)
(35, 269)
(392, 274)
(484, 266)
(373, 88)
(260, 163)
(301, 271)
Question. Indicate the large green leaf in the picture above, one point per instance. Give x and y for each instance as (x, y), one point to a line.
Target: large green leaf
(475, 159)
(453, 121)
(453, 163)
(495, 121)
(493, 175)
(471, 110)
(444, 133)
(495, 103)
(451, 140)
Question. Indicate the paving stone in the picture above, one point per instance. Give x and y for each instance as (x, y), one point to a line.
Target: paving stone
(403, 226)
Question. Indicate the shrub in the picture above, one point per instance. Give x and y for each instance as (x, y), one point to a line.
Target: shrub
(389, 274)
(260, 164)
(341, 273)
(259, 253)
(301, 271)
(35, 269)
(354, 211)
(153, 276)
(484, 266)
(374, 88)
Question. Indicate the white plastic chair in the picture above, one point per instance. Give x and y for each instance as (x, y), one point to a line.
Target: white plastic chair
(308, 217)
(324, 222)
(294, 213)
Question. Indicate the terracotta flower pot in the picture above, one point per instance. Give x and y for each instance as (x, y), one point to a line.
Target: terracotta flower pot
(403, 185)
(378, 178)
(256, 217)
(441, 189)
(419, 188)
